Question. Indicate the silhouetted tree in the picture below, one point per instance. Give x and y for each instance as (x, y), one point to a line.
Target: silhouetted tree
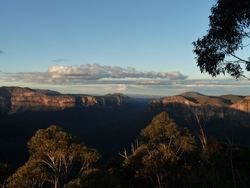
(229, 26)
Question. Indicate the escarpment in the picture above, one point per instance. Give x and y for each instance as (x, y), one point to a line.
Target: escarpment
(16, 99)
(232, 107)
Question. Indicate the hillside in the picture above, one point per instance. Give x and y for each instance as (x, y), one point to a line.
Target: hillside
(229, 115)
(104, 122)
(220, 106)
(15, 100)
(110, 122)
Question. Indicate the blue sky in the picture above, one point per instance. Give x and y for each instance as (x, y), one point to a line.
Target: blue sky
(99, 47)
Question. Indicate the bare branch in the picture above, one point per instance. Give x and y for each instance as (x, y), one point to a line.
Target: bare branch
(198, 120)
(124, 154)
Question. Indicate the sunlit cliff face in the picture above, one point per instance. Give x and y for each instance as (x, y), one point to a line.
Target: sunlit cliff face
(233, 107)
(15, 97)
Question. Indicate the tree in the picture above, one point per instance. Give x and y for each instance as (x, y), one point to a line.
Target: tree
(162, 145)
(198, 119)
(30, 175)
(54, 154)
(229, 26)
(95, 178)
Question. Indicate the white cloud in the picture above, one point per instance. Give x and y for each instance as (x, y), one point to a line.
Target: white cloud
(100, 78)
(93, 74)
(119, 88)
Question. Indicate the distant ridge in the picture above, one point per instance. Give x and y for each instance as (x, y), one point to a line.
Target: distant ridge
(48, 92)
(16, 99)
(191, 94)
(109, 120)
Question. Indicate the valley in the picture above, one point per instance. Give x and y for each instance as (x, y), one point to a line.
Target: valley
(110, 122)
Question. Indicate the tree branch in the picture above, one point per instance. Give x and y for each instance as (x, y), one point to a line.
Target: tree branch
(240, 59)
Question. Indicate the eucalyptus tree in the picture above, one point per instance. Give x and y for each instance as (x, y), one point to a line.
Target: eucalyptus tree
(55, 155)
(29, 175)
(198, 119)
(162, 145)
(228, 33)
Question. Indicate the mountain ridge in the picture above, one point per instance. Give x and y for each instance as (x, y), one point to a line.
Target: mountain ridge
(110, 122)
(16, 99)
(197, 99)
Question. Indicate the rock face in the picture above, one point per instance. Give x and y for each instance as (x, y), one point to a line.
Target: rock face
(16, 99)
(117, 100)
(225, 106)
(242, 105)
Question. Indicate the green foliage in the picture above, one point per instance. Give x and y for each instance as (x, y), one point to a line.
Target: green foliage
(164, 130)
(30, 175)
(95, 178)
(166, 156)
(162, 145)
(212, 166)
(54, 155)
(228, 26)
(111, 175)
(222, 165)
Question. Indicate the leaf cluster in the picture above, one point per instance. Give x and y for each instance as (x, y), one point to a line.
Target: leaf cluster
(54, 154)
(162, 145)
(229, 21)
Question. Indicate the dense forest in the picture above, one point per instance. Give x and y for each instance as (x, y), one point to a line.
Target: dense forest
(163, 155)
(187, 140)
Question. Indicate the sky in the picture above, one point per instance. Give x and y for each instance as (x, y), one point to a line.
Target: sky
(111, 46)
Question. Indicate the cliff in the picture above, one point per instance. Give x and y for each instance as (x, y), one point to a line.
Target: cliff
(241, 103)
(232, 107)
(110, 120)
(16, 99)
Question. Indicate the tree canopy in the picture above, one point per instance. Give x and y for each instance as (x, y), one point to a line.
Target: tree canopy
(54, 155)
(162, 144)
(216, 52)
(165, 155)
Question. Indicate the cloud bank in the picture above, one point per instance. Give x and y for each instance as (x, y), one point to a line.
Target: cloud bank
(1, 52)
(98, 79)
(94, 74)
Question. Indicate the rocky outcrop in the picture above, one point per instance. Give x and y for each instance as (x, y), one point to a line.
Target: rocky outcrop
(22, 98)
(240, 103)
(29, 97)
(225, 106)
(109, 100)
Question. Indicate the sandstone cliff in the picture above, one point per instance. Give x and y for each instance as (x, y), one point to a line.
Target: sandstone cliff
(241, 103)
(16, 99)
(225, 106)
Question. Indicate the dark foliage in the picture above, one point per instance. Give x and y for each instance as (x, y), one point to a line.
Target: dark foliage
(229, 24)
